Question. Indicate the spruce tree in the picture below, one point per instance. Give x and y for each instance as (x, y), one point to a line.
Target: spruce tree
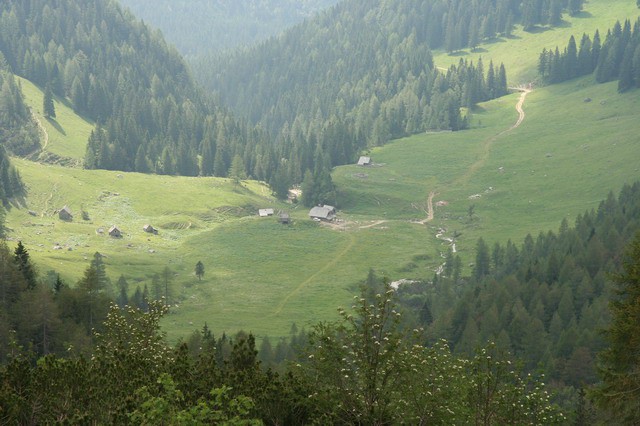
(625, 81)
(483, 263)
(23, 262)
(199, 270)
(47, 103)
(619, 391)
(571, 59)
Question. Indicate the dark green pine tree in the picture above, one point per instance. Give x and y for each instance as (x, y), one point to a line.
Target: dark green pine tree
(101, 273)
(619, 391)
(483, 260)
(575, 6)
(426, 317)
(636, 66)
(584, 56)
(555, 12)
(26, 268)
(596, 47)
(48, 109)
(199, 270)
(571, 59)
(625, 80)
(123, 295)
(308, 190)
(280, 183)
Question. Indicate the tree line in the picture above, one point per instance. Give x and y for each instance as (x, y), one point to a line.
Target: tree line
(617, 58)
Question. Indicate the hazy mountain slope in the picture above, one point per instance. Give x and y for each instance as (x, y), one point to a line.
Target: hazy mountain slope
(200, 27)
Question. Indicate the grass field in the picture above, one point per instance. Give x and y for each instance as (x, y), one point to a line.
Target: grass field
(262, 276)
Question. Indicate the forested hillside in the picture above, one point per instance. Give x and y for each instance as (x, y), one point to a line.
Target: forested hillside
(116, 71)
(222, 25)
(352, 78)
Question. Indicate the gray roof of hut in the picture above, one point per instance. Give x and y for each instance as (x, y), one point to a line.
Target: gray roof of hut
(364, 161)
(323, 212)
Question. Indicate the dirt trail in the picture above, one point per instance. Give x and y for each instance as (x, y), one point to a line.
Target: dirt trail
(43, 130)
(521, 113)
(488, 143)
(430, 213)
(371, 225)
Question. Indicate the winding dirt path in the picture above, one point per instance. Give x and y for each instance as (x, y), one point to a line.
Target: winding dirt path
(521, 113)
(429, 211)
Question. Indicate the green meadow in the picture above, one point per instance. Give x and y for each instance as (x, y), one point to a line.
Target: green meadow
(262, 276)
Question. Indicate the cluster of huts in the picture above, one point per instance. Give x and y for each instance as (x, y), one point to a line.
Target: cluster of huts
(283, 217)
(115, 232)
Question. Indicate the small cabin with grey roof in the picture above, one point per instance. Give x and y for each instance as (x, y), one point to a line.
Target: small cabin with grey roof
(326, 213)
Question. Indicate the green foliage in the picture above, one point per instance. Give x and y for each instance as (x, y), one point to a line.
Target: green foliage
(199, 270)
(367, 369)
(328, 103)
(619, 391)
(166, 408)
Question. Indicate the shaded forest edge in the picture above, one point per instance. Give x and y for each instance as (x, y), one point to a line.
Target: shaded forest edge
(410, 353)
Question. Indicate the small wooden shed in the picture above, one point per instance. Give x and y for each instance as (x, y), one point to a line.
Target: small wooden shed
(265, 212)
(65, 214)
(115, 232)
(284, 218)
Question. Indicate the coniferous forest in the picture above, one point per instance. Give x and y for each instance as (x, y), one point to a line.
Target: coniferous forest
(618, 58)
(542, 331)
